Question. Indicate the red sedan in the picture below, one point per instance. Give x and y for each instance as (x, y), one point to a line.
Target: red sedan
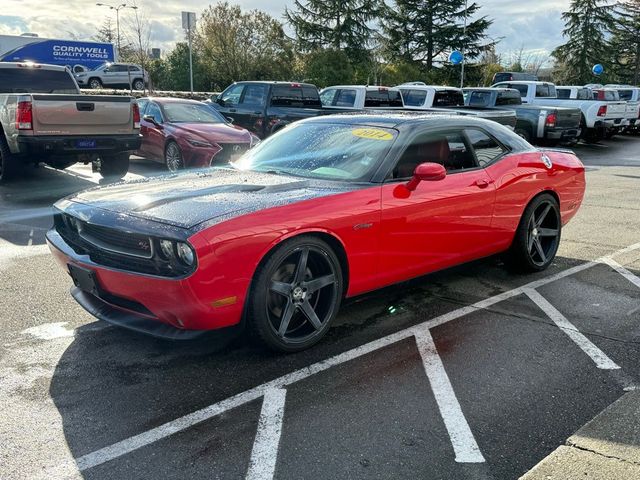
(328, 208)
(189, 134)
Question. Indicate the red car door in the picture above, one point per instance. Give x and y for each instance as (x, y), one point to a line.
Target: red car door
(441, 223)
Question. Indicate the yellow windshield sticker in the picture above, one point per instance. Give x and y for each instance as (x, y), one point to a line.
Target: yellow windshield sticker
(372, 133)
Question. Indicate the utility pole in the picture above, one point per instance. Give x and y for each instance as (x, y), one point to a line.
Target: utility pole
(188, 23)
(117, 9)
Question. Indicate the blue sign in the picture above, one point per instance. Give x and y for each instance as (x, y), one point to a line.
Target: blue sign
(62, 52)
(456, 57)
(597, 69)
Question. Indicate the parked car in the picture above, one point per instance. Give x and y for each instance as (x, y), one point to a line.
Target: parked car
(360, 97)
(535, 123)
(631, 95)
(45, 118)
(510, 76)
(437, 99)
(187, 133)
(328, 208)
(266, 107)
(598, 117)
(124, 75)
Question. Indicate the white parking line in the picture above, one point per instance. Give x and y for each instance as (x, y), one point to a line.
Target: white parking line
(462, 439)
(264, 455)
(135, 442)
(598, 356)
(622, 271)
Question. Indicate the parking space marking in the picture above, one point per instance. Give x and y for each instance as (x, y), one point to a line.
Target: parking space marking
(462, 439)
(622, 271)
(264, 455)
(601, 360)
(148, 437)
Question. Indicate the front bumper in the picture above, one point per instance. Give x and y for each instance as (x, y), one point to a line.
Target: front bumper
(73, 144)
(162, 307)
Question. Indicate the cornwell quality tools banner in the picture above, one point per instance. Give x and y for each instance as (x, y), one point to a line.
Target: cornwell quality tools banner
(61, 52)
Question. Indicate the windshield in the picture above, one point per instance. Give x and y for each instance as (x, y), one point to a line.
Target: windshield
(191, 113)
(321, 150)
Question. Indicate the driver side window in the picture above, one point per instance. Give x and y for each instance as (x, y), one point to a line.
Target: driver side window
(449, 149)
(232, 95)
(154, 111)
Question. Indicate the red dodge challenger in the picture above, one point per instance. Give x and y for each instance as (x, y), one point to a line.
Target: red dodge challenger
(328, 208)
(187, 133)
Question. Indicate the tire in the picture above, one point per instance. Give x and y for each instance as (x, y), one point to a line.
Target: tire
(538, 236)
(95, 83)
(114, 166)
(524, 134)
(10, 166)
(302, 280)
(138, 84)
(173, 157)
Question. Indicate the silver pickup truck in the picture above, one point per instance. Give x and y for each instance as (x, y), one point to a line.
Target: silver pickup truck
(45, 118)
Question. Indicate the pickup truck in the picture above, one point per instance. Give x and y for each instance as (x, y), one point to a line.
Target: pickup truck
(598, 117)
(360, 97)
(263, 108)
(631, 95)
(421, 97)
(534, 123)
(45, 118)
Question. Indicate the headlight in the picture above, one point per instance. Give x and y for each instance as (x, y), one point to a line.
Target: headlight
(255, 140)
(198, 143)
(166, 247)
(185, 253)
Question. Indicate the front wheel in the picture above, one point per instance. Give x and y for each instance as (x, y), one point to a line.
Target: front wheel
(538, 236)
(138, 84)
(173, 157)
(114, 166)
(95, 83)
(296, 294)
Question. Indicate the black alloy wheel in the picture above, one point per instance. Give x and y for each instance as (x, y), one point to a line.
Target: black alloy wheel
(296, 295)
(538, 236)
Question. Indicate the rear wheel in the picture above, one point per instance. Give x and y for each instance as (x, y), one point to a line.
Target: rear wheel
(114, 166)
(296, 294)
(138, 84)
(173, 157)
(95, 83)
(9, 165)
(538, 236)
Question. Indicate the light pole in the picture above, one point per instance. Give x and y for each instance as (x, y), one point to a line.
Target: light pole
(117, 8)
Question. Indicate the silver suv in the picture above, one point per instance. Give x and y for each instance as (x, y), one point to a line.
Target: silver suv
(114, 75)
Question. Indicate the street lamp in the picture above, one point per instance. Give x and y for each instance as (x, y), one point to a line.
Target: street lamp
(117, 8)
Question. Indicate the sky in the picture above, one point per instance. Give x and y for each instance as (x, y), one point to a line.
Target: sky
(535, 27)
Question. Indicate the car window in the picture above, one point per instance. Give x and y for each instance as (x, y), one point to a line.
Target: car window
(383, 97)
(134, 68)
(521, 88)
(142, 106)
(177, 112)
(542, 90)
(231, 96)
(286, 95)
(480, 99)
(508, 98)
(346, 98)
(447, 148)
(485, 148)
(154, 111)
(310, 97)
(448, 98)
(255, 94)
(625, 94)
(413, 98)
(584, 94)
(563, 92)
(327, 96)
(118, 68)
(30, 80)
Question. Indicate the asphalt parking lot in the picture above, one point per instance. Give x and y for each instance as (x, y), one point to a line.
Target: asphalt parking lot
(470, 373)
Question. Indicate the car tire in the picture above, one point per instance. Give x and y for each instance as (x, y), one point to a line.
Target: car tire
(10, 165)
(173, 159)
(295, 295)
(114, 166)
(94, 83)
(138, 84)
(537, 238)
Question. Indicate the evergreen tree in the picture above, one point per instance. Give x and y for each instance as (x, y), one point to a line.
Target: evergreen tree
(423, 30)
(588, 24)
(337, 24)
(106, 33)
(625, 43)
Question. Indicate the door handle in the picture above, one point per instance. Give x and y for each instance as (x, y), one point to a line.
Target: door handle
(482, 183)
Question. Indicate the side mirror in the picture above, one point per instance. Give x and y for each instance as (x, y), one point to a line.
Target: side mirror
(230, 119)
(151, 119)
(426, 172)
(214, 98)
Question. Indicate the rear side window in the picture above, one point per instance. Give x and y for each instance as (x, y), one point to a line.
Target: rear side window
(584, 94)
(413, 98)
(286, 96)
(480, 99)
(383, 98)
(486, 148)
(542, 90)
(625, 94)
(118, 68)
(448, 98)
(563, 93)
(255, 94)
(521, 88)
(508, 98)
(346, 98)
(36, 80)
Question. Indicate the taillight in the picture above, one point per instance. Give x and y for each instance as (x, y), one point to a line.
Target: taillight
(551, 120)
(602, 111)
(136, 115)
(24, 116)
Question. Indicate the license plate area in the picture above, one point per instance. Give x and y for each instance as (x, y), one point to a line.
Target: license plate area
(84, 279)
(86, 143)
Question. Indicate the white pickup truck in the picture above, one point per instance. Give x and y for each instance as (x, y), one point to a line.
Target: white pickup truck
(45, 118)
(631, 95)
(598, 117)
(360, 97)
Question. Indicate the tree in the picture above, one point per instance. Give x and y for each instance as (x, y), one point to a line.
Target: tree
(106, 33)
(138, 35)
(625, 43)
(423, 31)
(235, 45)
(328, 67)
(172, 73)
(587, 26)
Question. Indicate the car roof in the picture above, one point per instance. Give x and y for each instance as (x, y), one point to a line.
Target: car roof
(397, 119)
(427, 87)
(169, 100)
(40, 66)
(368, 87)
(274, 82)
(492, 89)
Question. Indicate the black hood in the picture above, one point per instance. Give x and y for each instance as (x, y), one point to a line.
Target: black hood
(187, 200)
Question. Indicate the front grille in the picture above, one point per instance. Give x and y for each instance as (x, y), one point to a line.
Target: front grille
(229, 152)
(117, 241)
